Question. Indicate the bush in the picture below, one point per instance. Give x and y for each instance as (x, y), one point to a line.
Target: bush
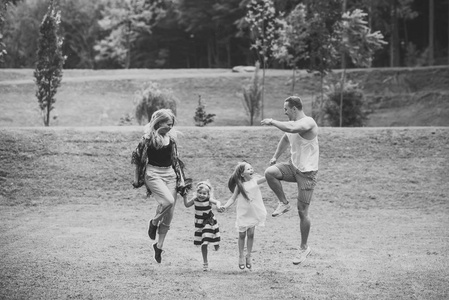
(353, 113)
(151, 99)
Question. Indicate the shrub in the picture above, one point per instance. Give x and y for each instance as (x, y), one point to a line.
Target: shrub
(353, 103)
(201, 118)
(152, 98)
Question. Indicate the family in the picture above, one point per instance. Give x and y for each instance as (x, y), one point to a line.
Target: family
(159, 168)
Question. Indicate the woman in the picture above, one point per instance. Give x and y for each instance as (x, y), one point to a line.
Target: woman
(160, 169)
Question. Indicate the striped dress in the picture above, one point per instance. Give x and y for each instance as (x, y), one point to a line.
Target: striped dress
(206, 225)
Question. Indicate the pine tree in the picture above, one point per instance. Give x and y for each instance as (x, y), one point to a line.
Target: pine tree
(48, 72)
(201, 117)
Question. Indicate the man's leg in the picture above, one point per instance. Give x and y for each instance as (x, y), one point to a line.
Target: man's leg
(274, 177)
(304, 223)
(304, 198)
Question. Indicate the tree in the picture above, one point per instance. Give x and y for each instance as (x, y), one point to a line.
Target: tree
(212, 29)
(201, 117)
(125, 21)
(80, 28)
(290, 47)
(3, 7)
(431, 31)
(48, 72)
(354, 39)
(22, 21)
(252, 94)
(321, 16)
(265, 30)
(262, 19)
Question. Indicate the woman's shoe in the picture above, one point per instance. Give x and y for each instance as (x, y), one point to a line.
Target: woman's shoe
(205, 267)
(248, 262)
(152, 230)
(241, 263)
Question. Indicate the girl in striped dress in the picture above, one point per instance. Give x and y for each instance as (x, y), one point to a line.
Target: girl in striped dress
(206, 225)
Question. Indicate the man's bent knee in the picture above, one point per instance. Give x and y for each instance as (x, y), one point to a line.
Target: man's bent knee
(273, 171)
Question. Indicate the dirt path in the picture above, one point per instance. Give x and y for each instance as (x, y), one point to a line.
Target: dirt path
(102, 252)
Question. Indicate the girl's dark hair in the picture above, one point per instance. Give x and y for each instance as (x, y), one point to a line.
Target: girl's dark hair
(236, 180)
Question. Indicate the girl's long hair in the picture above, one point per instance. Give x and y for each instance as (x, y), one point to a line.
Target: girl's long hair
(151, 130)
(236, 180)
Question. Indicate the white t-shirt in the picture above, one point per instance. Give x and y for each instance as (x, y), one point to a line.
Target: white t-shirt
(304, 153)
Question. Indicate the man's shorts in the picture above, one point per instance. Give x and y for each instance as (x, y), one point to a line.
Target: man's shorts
(306, 180)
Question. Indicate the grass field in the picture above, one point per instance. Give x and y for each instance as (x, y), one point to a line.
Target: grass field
(72, 227)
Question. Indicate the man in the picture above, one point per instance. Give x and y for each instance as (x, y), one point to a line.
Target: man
(301, 134)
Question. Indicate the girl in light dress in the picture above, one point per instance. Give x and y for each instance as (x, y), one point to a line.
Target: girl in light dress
(250, 211)
(207, 231)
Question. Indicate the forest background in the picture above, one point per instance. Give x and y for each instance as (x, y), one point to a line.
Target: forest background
(205, 34)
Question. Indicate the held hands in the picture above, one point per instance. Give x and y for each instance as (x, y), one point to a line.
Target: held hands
(273, 161)
(221, 209)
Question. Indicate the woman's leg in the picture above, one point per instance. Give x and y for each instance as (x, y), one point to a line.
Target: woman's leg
(161, 183)
(165, 221)
(166, 201)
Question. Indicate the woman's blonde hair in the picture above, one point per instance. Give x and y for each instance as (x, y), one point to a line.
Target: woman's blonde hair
(236, 180)
(151, 130)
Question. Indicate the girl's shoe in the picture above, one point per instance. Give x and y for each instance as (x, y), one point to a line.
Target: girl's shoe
(248, 262)
(241, 263)
(205, 267)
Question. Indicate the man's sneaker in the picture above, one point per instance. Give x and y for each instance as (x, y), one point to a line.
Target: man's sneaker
(152, 230)
(281, 209)
(302, 255)
(157, 253)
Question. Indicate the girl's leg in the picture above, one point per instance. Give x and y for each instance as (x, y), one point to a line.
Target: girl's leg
(204, 253)
(242, 236)
(250, 240)
(249, 246)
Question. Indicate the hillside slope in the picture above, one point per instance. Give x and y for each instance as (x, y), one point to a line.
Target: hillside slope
(394, 97)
